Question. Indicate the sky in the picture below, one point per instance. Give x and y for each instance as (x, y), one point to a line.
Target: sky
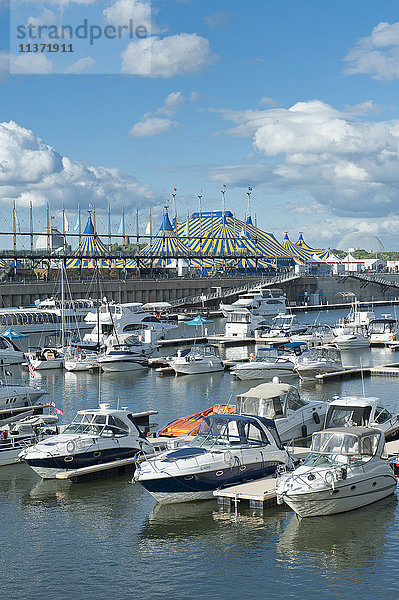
(297, 100)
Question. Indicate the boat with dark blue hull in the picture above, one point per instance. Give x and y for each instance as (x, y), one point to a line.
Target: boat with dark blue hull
(228, 449)
(94, 437)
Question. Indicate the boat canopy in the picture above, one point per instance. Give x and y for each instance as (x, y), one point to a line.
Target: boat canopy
(270, 400)
(355, 443)
(236, 430)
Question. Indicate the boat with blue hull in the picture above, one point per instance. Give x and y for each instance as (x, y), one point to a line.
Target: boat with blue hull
(228, 449)
(94, 437)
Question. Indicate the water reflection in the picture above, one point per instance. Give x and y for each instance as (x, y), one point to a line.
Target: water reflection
(342, 543)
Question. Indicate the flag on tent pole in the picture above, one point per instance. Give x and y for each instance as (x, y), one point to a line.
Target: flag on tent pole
(52, 403)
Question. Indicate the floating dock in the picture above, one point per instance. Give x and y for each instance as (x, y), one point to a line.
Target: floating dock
(390, 369)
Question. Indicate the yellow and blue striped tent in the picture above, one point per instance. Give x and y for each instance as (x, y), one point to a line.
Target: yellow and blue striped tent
(217, 234)
(300, 255)
(324, 255)
(165, 248)
(91, 251)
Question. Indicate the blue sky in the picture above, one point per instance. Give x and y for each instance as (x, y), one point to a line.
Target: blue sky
(296, 100)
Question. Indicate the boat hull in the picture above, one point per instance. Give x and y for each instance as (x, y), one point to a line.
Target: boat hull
(196, 369)
(264, 373)
(348, 495)
(122, 365)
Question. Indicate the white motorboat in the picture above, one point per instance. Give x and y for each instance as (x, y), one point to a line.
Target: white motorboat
(201, 358)
(267, 302)
(270, 362)
(317, 361)
(80, 360)
(116, 319)
(10, 354)
(242, 323)
(16, 396)
(347, 411)
(47, 358)
(19, 435)
(295, 418)
(122, 358)
(315, 335)
(284, 325)
(383, 330)
(347, 468)
(94, 437)
(352, 340)
(46, 316)
(228, 449)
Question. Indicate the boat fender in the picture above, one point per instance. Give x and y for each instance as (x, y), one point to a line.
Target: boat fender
(250, 357)
(304, 431)
(329, 479)
(70, 447)
(228, 458)
(316, 418)
(4, 435)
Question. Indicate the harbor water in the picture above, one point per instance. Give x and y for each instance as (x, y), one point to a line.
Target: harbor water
(108, 538)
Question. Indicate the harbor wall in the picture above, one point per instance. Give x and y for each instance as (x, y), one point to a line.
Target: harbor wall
(299, 291)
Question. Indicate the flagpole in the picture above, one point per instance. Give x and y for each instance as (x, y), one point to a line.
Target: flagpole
(150, 228)
(94, 219)
(109, 228)
(80, 225)
(174, 207)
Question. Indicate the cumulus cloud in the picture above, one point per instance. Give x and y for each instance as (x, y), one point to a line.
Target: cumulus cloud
(121, 11)
(30, 64)
(376, 55)
(167, 57)
(151, 124)
(32, 170)
(339, 159)
(80, 66)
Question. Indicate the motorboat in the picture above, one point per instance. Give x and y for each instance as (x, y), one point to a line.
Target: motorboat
(295, 418)
(142, 345)
(352, 340)
(19, 435)
(267, 302)
(94, 437)
(228, 449)
(46, 358)
(48, 315)
(315, 335)
(347, 468)
(347, 411)
(269, 362)
(242, 323)
(17, 396)
(122, 358)
(190, 425)
(201, 358)
(317, 361)
(284, 325)
(383, 330)
(77, 359)
(10, 354)
(116, 319)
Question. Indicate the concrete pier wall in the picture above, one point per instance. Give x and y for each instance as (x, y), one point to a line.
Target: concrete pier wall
(166, 289)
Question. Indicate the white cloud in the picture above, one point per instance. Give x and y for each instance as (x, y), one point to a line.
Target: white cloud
(335, 157)
(32, 170)
(167, 57)
(265, 101)
(30, 64)
(376, 55)
(81, 65)
(152, 126)
(121, 11)
(219, 20)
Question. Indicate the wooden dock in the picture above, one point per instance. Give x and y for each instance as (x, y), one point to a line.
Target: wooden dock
(390, 369)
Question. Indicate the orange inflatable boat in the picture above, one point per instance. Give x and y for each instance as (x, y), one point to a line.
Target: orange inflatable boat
(191, 424)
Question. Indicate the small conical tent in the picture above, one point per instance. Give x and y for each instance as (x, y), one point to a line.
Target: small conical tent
(300, 255)
(165, 248)
(324, 255)
(91, 251)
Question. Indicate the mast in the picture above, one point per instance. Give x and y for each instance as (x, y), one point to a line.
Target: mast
(109, 228)
(80, 226)
(48, 229)
(137, 229)
(223, 204)
(62, 304)
(123, 228)
(174, 207)
(31, 225)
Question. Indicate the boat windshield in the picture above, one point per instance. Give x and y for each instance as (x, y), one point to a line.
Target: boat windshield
(97, 425)
(339, 448)
(239, 433)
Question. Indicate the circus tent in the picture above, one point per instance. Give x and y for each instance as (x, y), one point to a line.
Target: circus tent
(165, 248)
(300, 254)
(324, 255)
(91, 251)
